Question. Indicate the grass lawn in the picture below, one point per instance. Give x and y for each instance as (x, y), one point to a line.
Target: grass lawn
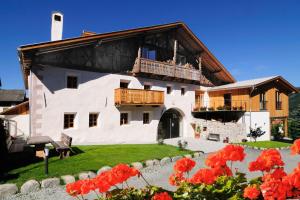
(92, 158)
(267, 144)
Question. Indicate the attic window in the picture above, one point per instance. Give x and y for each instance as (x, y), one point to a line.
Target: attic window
(57, 18)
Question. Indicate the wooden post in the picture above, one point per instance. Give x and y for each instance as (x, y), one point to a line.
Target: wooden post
(175, 52)
(137, 67)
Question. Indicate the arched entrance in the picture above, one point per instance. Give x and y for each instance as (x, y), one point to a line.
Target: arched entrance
(170, 124)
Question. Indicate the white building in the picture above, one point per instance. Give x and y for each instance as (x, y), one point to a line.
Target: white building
(132, 86)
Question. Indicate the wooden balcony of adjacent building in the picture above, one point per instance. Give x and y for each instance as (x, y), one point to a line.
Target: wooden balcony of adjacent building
(138, 97)
(225, 111)
(169, 71)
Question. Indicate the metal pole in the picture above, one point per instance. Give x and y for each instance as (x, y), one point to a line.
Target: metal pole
(46, 160)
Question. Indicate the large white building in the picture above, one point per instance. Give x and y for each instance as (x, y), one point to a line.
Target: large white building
(133, 86)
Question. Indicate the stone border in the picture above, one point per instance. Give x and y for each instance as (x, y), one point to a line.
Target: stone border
(30, 186)
(262, 148)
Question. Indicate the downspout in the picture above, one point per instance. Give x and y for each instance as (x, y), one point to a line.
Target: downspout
(250, 106)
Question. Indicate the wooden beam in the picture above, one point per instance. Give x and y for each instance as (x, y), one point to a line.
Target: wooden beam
(175, 51)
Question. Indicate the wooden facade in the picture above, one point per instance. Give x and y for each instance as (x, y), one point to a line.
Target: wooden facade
(124, 96)
(20, 109)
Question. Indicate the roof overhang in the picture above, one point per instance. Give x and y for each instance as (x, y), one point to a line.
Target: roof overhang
(279, 79)
(28, 51)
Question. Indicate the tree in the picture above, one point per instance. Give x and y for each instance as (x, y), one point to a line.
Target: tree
(255, 133)
(294, 123)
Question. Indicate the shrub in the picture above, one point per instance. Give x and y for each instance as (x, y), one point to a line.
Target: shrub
(160, 141)
(275, 132)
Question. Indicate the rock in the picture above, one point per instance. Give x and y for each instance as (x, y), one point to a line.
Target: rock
(92, 174)
(67, 179)
(188, 156)
(83, 175)
(103, 169)
(149, 163)
(50, 182)
(30, 186)
(175, 158)
(156, 162)
(165, 161)
(8, 190)
(137, 165)
(197, 155)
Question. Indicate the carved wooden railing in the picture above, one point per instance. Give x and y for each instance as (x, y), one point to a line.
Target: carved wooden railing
(166, 69)
(124, 96)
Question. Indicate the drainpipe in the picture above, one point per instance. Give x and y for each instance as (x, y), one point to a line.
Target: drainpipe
(250, 106)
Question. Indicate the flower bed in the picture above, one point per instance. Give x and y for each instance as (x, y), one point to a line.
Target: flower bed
(217, 181)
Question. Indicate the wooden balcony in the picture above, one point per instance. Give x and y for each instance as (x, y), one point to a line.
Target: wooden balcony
(137, 97)
(211, 106)
(147, 66)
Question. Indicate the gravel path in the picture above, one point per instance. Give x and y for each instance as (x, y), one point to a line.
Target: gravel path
(159, 176)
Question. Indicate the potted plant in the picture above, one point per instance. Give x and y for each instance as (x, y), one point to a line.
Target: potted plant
(197, 131)
(220, 108)
(203, 108)
(211, 108)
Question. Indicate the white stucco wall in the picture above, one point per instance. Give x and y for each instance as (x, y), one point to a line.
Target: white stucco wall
(258, 119)
(95, 93)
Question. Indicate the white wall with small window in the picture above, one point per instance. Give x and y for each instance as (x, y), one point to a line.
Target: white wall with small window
(95, 94)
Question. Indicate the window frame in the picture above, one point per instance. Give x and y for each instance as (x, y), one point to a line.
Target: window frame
(64, 121)
(91, 125)
(128, 118)
(149, 120)
(278, 100)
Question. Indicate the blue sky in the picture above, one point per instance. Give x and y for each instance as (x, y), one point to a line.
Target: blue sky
(251, 38)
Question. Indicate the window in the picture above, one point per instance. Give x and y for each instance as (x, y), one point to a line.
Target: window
(147, 87)
(169, 89)
(93, 119)
(69, 120)
(262, 100)
(182, 91)
(57, 18)
(149, 53)
(123, 118)
(146, 118)
(124, 84)
(278, 100)
(72, 82)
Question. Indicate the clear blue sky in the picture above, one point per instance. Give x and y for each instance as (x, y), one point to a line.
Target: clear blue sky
(251, 38)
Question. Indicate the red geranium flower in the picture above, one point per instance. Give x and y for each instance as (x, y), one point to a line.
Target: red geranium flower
(278, 173)
(222, 171)
(184, 165)
(274, 189)
(216, 159)
(266, 161)
(251, 192)
(74, 189)
(234, 153)
(176, 179)
(162, 196)
(295, 148)
(205, 176)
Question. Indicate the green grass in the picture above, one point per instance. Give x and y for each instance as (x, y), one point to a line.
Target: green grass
(92, 158)
(267, 144)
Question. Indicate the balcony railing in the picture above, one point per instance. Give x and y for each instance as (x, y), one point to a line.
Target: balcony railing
(148, 66)
(263, 105)
(234, 105)
(279, 105)
(124, 96)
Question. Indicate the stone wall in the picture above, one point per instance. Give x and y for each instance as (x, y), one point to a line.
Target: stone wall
(234, 131)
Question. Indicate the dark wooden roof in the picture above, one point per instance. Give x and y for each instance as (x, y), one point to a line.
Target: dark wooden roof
(27, 51)
(22, 108)
(12, 95)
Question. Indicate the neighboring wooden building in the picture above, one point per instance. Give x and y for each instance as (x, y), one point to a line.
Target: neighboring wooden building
(9, 98)
(269, 94)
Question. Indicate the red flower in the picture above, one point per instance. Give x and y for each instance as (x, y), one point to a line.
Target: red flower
(267, 160)
(102, 182)
(251, 192)
(184, 165)
(87, 186)
(222, 171)
(176, 179)
(205, 176)
(295, 148)
(234, 153)
(274, 189)
(162, 196)
(278, 173)
(216, 159)
(74, 189)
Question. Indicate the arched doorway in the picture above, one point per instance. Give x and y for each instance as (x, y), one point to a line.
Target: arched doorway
(170, 124)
